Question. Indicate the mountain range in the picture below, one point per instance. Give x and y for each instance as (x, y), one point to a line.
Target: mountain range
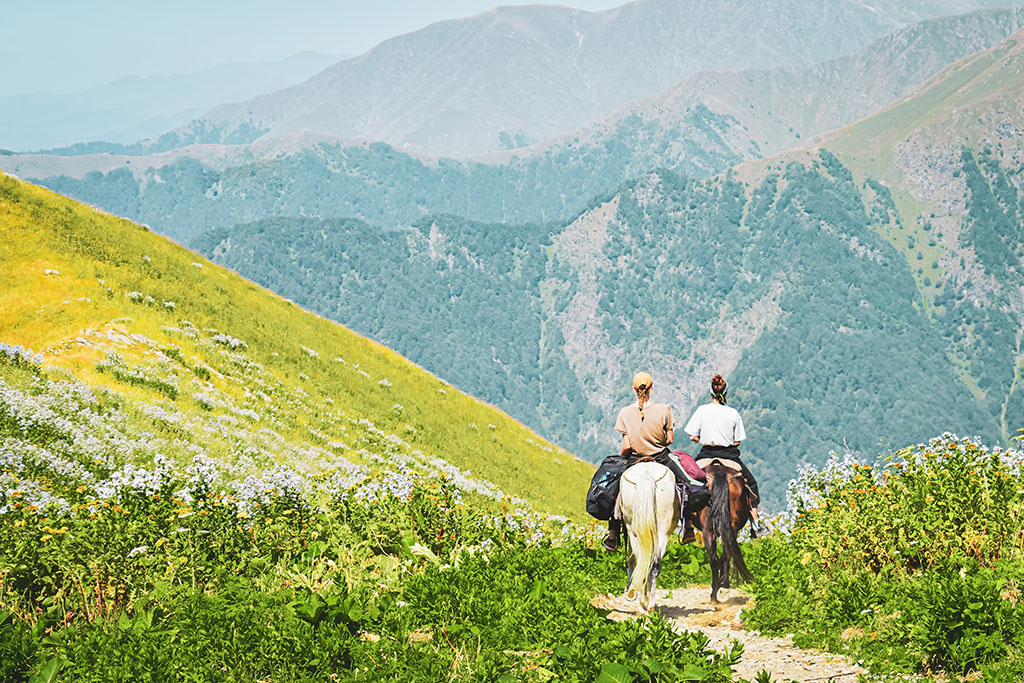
(860, 288)
(697, 128)
(519, 75)
(859, 293)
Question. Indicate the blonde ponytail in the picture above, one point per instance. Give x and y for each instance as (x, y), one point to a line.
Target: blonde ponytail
(643, 394)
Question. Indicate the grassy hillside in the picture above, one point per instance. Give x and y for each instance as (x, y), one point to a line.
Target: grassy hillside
(122, 309)
(200, 481)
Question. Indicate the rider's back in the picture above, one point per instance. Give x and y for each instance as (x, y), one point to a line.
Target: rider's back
(716, 425)
(648, 434)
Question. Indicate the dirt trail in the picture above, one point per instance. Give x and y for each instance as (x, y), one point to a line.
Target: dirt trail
(690, 609)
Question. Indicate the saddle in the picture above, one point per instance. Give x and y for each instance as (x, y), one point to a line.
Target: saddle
(732, 465)
(735, 471)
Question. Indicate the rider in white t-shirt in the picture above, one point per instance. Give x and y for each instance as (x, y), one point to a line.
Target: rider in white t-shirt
(718, 428)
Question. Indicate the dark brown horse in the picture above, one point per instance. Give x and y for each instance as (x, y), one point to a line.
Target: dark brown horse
(722, 519)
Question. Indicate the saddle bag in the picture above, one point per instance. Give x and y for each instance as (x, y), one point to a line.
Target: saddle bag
(697, 498)
(604, 487)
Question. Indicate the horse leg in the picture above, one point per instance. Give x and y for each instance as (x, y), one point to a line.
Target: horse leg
(658, 556)
(726, 561)
(630, 562)
(667, 519)
(711, 548)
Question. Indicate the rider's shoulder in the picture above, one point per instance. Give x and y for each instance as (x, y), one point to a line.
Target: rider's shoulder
(718, 408)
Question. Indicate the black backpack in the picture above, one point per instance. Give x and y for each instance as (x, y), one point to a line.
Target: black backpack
(604, 487)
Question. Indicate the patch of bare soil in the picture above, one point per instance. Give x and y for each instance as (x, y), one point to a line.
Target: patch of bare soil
(691, 609)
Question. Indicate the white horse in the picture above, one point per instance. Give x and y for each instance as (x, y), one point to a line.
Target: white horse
(650, 511)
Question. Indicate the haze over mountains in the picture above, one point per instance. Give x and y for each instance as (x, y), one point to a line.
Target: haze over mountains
(780, 108)
(134, 108)
(862, 291)
(520, 75)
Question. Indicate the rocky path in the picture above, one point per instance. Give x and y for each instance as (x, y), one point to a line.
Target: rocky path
(690, 609)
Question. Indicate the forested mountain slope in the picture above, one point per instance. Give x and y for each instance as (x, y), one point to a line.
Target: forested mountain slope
(182, 358)
(374, 182)
(856, 299)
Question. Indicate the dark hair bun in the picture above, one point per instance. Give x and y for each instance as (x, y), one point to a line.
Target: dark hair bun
(717, 384)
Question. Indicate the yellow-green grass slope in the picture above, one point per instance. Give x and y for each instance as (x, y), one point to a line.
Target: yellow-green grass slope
(187, 342)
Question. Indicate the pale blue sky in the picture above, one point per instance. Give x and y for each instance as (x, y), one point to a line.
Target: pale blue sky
(68, 45)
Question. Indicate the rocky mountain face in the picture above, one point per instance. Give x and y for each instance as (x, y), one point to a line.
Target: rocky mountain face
(520, 75)
(860, 294)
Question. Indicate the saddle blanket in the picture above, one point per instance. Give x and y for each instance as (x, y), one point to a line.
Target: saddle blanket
(704, 463)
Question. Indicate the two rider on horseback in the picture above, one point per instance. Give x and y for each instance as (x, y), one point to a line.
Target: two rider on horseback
(646, 429)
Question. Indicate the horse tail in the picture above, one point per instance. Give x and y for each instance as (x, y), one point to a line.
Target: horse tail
(721, 520)
(645, 528)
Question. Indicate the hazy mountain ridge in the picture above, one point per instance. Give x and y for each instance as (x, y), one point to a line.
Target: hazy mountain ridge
(313, 174)
(369, 181)
(775, 110)
(539, 72)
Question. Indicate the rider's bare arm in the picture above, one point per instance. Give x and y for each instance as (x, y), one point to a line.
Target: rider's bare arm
(695, 439)
(669, 436)
(625, 445)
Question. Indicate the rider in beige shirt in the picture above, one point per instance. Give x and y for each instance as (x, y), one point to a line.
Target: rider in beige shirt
(649, 433)
(646, 429)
